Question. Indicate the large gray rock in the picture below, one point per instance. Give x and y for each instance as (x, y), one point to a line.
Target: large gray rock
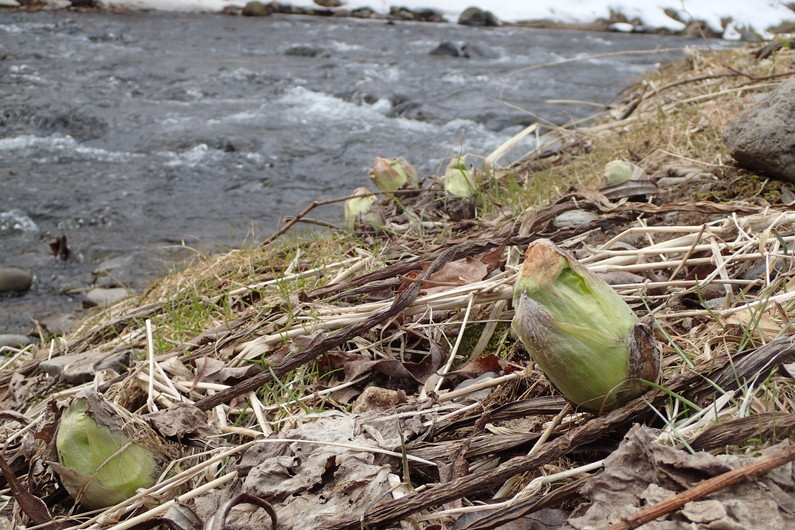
(15, 279)
(59, 324)
(762, 137)
(114, 272)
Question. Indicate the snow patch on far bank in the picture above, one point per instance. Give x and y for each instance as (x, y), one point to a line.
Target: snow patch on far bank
(754, 15)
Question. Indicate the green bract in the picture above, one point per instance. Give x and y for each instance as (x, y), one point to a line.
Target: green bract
(99, 465)
(583, 336)
(363, 210)
(394, 174)
(618, 171)
(458, 180)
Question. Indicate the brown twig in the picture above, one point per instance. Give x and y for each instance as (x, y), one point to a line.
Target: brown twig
(31, 505)
(315, 204)
(316, 222)
(523, 507)
(747, 472)
(397, 510)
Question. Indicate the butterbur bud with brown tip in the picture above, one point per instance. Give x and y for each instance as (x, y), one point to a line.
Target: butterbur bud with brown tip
(393, 174)
(579, 331)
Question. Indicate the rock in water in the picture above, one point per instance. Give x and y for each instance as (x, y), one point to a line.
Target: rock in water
(762, 137)
(256, 9)
(15, 279)
(474, 16)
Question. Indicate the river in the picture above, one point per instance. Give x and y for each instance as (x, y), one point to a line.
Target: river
(131, 133)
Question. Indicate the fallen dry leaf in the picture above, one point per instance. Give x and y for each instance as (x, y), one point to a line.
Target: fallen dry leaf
(455, 273)
(643, 472)
(355, 365)
(312, 484)
(214, 371)
(181, 420)
(486, 363)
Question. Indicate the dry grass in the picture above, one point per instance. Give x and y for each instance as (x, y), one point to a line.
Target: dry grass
(709, 256)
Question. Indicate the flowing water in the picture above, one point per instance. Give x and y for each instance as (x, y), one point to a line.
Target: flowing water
(130, 133)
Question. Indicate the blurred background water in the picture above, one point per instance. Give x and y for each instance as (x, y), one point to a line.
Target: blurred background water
(130, 133)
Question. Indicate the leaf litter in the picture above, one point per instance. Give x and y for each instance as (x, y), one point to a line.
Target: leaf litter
(384, 388)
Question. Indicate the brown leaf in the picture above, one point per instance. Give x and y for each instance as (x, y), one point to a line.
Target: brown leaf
(455, 273)
(215, 371)
(336, 359)
(355, 365)
(312, 484)
(481, 365)
(410, 276)
(643, 471)
(494, 258)
(183, 419)
(181, 516)
(377, 398)
(29, 503)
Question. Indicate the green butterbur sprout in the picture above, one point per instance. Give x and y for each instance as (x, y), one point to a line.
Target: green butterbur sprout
(394, 174)
(621, 171)
(458, 180)
(363, 210)
(618, 171)
(105, 454)
(582, 335)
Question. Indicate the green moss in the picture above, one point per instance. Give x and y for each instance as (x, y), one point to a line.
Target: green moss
(496, 344)
(746, 187)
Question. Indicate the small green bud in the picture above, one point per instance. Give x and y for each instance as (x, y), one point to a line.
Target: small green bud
(618, 171)
(394, 174)
(458, 179)
(364, 210)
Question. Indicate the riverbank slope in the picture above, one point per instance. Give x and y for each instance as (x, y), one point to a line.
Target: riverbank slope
(384, 356)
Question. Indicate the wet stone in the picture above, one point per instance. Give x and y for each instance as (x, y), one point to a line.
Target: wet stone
(256, 9)
(60, 324)
(574, 218)
(16, 341)
(15, 279)
(80, 367)
(474, 16)
(104, 297)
